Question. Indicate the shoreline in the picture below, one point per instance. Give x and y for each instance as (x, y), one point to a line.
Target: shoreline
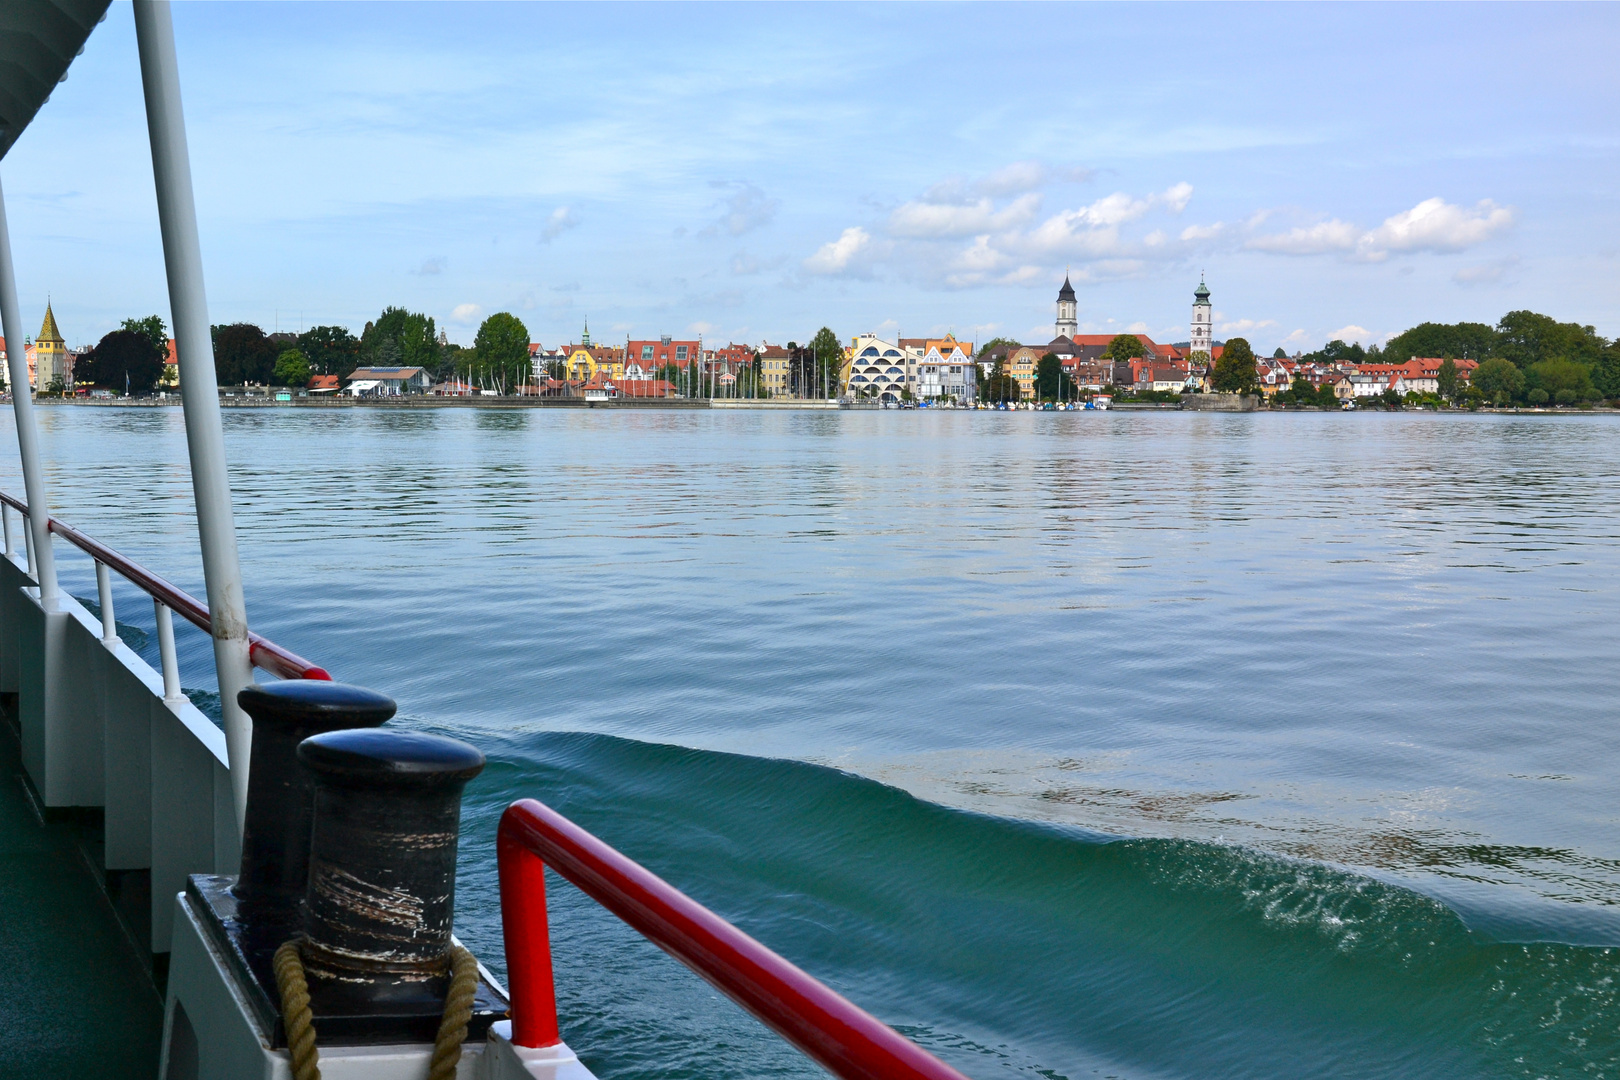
(425, 402)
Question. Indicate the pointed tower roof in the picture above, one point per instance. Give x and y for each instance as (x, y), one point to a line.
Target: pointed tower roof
(1201, 294)
(1067, 292)
(585, 339)
(48, 331)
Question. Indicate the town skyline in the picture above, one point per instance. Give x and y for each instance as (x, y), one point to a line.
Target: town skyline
(493, 159)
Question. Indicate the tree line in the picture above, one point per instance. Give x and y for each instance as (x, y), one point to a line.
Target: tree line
(1526, 357)
(131, 359)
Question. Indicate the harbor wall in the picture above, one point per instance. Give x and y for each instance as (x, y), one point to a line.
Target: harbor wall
(1220, 402)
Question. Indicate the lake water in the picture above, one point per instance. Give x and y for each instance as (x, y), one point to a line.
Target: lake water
(1130, 745)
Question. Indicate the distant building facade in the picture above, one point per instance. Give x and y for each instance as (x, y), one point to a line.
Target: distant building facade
(388, 381)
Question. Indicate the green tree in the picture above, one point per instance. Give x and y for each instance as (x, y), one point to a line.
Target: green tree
(1234, 372)
(1052, 383)
(292, 369)
(153, 330)
(1300, 390)
(501, 348)
(1338, 352)
(122, 359)
(1557, 375)
(1001, 386)
(1125, 347)
(242, 354)
(1537, 396)
(1005, 344)
(1280, 354)
(829, 356)
(1447, 378)
(1326, 398)
(1527, 338)
(330, 350)
(1498, 378)
(412, 335)
(1606, 372)
(1473, 340)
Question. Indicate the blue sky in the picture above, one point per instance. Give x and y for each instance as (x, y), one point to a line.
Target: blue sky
(754, 172)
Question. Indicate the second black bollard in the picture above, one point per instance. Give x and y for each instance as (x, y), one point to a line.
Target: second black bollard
(382, 865)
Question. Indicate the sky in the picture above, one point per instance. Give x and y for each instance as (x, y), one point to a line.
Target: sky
(750, 173)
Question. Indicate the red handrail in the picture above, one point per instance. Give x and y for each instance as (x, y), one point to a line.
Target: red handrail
(847, 1041)
(263, 652)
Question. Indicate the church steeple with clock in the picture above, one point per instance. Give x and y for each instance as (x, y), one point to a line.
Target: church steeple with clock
(1203, 331)
(1067, 324)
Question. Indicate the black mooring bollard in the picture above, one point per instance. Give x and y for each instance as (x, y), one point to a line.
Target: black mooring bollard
(280, 807)
(382, 864)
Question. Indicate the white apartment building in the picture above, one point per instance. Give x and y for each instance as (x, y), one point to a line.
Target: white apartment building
(879, 369)
(949, 375)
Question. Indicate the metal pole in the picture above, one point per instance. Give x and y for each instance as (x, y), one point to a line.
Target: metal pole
(166, 652)
(38, 518)
(199, 391)
(109, 622)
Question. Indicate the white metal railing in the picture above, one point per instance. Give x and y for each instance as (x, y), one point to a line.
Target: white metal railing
(101, 728)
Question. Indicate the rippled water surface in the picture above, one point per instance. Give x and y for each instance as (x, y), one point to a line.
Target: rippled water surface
(1139, 745)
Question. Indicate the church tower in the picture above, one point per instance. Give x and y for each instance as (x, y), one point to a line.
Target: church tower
(1203, 331)
(1067, 324)
(50, 354)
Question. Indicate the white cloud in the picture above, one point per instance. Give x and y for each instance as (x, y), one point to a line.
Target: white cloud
(1194, 233)
(926, 219)
(1432, 225)
(561, 220)
(1022, 176)
(466, 313)
(1243, 326)
(842, 256)
(1324, 236)
(702, 329)
(1094, 229)
(1436, 225)
(1352, 334)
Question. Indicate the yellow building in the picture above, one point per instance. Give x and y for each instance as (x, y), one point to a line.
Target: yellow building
(48, 359)
(773, 369)
(591, 361)
(588, 362)
(1021, 365)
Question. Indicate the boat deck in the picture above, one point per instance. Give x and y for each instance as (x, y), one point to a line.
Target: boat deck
(77, 996)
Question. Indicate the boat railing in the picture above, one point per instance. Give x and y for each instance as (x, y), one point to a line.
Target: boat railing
(167, 597)
(841, 1037)
(101, 729)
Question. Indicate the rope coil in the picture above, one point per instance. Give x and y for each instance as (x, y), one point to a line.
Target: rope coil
(300, 1023)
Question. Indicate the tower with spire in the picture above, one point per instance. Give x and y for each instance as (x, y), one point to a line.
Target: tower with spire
(585, 338)
(1203, 330)
(1068, 324)
(50, 358)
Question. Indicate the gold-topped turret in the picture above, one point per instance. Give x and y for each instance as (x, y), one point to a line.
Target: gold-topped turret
(48, 331)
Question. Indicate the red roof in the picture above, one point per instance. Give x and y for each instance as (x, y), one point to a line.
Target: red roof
(322, 382)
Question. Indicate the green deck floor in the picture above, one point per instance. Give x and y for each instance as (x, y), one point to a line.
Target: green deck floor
(76, 998)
